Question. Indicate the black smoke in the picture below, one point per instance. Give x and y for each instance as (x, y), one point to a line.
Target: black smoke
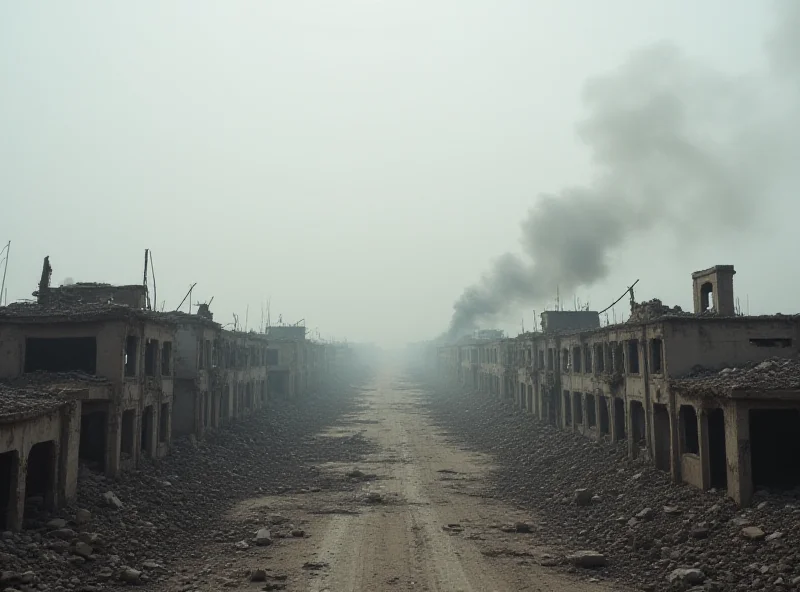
(678, 146)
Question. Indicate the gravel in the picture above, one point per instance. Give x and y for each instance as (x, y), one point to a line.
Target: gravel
(644, 525)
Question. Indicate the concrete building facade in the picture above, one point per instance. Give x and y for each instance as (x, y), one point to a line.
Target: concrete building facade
(629, 382)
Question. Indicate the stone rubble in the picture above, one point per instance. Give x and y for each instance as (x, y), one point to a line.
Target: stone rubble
(696, 539)
(140, 528)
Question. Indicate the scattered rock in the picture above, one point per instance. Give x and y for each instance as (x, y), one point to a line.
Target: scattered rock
(263, 537)
(522, 527)
(646, 514)
(298, 534)
(314, 565)
(373, 497)
(587, 559)
(583, 497)
(258, 575)
(83, 549)
(672, 510)
(130, 576)
(66, 534)
(684, 575)
(753, 533)
(774, 536)
(112, 500)
(57, 523)
(83, 517)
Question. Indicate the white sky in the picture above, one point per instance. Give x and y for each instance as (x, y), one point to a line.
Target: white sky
(358, 162)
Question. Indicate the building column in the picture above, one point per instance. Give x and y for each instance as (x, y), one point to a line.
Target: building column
(113, 441)
(629, 429)
(16, 499)
(69, 452)
(737, 453)
(674, 444)
(702, 437)
(597, 404)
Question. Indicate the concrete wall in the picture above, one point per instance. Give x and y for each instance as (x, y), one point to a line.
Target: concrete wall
(717, 343)
(110, 338)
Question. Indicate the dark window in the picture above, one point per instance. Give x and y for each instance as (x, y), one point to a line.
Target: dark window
(576, 359)
(591, 415)
(619, 357)
(633, 356)
(689, 433)
(64, 354)
(150, 357)
(587, 359)
(272, 357)
(541, 359)
(656, 356)
(578, 400)
(551, 359)
(599, 358)
(131, 355)
(565, 360)
(201, 362)
(166, 359)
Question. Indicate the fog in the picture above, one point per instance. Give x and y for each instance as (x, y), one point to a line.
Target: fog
(362, 165)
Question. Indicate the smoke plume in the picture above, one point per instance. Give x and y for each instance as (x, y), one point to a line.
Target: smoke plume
(677, 146)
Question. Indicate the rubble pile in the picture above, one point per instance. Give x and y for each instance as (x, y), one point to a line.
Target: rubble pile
(140, 527)
(651, 532)
(771, 374)
(641, 312)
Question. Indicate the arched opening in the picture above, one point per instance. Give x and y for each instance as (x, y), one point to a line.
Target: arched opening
(40, 490)
(706, 297)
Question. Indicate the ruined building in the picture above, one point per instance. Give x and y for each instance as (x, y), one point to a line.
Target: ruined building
(89, 374)
(713, 397)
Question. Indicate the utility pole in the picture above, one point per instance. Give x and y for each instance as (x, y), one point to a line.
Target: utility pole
(7, 249)
(144, 278)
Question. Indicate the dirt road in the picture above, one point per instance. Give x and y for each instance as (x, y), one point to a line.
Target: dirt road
(418, 520)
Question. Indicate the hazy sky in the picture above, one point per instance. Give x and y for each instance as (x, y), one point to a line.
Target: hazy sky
(358, 162)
